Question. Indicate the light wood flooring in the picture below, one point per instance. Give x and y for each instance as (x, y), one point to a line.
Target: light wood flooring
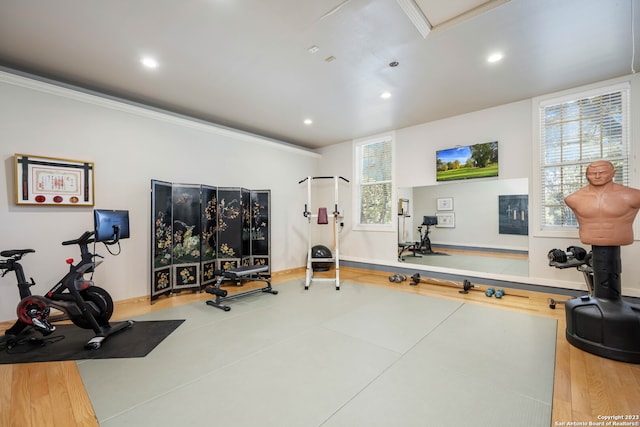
(485, 253)
(585, 386)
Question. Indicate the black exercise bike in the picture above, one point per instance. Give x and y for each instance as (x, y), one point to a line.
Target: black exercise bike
(80, 301)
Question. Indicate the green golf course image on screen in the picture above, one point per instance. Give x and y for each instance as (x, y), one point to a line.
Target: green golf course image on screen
(467, 162)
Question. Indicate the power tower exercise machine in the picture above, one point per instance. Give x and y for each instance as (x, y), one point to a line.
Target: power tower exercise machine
(403, 244)
(323, 218)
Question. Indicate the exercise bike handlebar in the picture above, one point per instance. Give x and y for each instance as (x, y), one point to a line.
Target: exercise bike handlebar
(85, 239)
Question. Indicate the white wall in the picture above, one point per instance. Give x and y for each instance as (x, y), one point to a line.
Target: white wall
(508, 124)
(130, 146)
(512, 126)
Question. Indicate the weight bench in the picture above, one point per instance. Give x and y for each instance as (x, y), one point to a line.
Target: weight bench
(407, 247)
(238, 276)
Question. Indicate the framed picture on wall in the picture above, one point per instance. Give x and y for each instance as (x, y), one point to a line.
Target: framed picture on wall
(446, 220)
(444, 203)
(49, 181)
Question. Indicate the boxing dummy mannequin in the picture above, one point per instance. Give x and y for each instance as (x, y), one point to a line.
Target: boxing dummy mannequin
(605, 212)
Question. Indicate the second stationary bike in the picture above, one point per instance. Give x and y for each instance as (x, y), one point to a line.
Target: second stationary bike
(86, 305)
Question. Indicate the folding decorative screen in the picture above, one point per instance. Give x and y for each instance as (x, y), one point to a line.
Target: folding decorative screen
(209, 242)
(233, 222)
(198, 229)
(259, 228)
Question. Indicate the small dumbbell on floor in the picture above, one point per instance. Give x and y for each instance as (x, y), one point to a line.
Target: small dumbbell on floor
(493, 293)
(397, 278)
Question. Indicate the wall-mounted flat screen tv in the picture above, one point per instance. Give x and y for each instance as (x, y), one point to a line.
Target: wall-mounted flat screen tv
(467, 162)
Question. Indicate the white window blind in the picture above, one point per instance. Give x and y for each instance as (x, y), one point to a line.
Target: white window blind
(374, 165)
(574, 133)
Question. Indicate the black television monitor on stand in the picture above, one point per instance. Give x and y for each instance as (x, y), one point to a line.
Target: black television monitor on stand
(110, 225)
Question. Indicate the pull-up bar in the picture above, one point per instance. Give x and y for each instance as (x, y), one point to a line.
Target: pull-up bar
(335, 259)
(323, 177)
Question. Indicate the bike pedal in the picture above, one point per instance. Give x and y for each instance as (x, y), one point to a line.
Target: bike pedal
(44, 327)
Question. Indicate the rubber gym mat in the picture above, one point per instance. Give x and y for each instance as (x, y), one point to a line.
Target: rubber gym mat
(67, 343)
(361, 356)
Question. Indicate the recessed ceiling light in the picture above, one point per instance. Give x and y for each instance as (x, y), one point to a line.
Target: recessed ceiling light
(385, 95)
(494, 57)
(149, 62)
(308, 121)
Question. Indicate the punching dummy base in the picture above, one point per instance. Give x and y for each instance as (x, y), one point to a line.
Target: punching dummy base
(604, 324)
(607, 328)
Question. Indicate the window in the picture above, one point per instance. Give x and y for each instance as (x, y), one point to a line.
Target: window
(374, 175)
(574, 132)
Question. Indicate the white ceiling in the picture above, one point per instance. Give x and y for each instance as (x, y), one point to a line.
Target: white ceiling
(246, 64)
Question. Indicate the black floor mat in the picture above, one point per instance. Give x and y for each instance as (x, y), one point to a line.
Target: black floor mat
(67, 343)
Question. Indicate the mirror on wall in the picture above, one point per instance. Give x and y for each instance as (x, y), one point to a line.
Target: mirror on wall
(481, 226)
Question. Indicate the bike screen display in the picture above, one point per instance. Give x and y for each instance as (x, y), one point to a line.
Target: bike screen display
(111, 225)
(429, 220)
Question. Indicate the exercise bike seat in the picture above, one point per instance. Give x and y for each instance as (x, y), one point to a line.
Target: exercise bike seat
(13, 252)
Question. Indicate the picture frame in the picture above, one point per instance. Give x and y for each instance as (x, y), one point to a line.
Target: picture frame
(52, 181)
(446, 220)
(444, 203)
